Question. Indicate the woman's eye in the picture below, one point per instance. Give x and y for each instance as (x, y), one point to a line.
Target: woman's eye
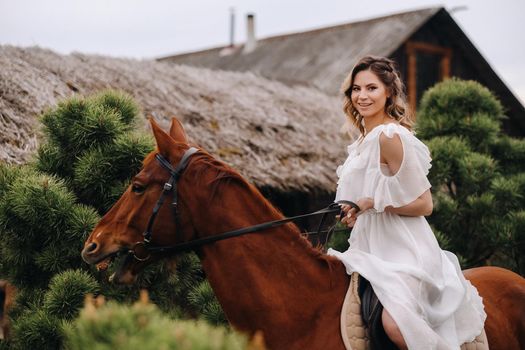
(137, 188)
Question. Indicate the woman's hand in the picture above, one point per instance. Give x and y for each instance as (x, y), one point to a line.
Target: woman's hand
(350, 214)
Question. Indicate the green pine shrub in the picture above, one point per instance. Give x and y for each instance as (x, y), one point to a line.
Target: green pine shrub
(102, 173)
(26, 299)
(477, 174)
(519, 179)
(455, 106)
(188, 273)
(510, 153)
(447, 152)
(92, 145)
(67, 291)
(446, 212)
(515, 238)
(339, 238)
(8, 173)
(143, 326)
(203, 299)
(42, 228)
(120, 102)
(37, 329)
(443, 240)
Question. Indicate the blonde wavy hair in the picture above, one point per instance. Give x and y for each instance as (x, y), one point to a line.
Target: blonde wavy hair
(396, 105)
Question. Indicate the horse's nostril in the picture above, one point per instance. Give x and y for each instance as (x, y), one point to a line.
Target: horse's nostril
(91, 247)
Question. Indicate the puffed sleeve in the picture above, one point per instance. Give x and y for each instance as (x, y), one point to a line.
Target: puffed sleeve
(409, 182)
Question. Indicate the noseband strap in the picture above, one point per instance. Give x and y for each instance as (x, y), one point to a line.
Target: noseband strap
(169, 186)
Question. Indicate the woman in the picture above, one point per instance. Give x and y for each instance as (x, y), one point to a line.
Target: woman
(427, 302)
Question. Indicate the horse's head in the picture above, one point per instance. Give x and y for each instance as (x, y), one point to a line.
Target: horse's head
(122, 229)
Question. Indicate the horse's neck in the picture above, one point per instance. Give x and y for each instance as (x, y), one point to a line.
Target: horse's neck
(269, 276)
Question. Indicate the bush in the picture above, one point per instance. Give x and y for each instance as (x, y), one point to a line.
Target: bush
(456, 106)
(92, 146)
(143, 326)
(41, 228)
(477, 173)
(510, 153)
(202, 298)
(67, 292)
(37, 330)
(339, 239)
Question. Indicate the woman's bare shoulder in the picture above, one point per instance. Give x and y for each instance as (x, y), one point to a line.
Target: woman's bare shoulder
(391, 147)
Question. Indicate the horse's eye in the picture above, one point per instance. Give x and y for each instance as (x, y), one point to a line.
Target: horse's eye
(139, 189)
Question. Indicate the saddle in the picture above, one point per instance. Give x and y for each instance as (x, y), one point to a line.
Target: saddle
(361, 324)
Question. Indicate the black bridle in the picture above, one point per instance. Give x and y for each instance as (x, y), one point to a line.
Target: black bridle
(141, 251)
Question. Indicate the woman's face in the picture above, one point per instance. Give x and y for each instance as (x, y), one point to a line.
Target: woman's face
(369, 94)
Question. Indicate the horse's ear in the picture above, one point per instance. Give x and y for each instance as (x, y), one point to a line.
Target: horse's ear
(177, 131)
(164, 141)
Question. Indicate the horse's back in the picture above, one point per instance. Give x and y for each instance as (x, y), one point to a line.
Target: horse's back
(503, 294)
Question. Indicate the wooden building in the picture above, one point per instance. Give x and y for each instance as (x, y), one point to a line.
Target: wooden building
(428, 45)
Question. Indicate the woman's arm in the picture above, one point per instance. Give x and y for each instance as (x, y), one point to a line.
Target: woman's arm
(422, 206)
(392, 155)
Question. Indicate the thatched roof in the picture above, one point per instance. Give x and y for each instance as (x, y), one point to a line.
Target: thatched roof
(276, 136)
(318, 57)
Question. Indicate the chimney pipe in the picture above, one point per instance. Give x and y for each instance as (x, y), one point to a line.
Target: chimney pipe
(251, 42)
(232, 26)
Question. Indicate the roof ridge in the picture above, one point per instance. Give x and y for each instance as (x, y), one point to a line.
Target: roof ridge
(435, 9)
(347, 24)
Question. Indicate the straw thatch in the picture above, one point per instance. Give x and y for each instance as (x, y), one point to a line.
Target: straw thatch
(277, 136)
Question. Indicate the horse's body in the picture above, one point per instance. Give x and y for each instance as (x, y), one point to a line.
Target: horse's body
(273, 281)
(7, 292)
(503, 294)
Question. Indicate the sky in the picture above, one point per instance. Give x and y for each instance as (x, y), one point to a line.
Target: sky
(156, 28)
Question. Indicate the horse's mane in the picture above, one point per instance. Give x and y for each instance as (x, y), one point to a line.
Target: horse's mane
(225, 176)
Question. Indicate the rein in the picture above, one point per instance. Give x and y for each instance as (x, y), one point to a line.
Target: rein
(141, 251)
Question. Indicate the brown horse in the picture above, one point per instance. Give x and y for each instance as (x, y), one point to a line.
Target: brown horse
(7, 293)
(272, 281)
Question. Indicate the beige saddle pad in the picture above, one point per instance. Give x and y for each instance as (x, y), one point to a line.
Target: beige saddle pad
(354, 332)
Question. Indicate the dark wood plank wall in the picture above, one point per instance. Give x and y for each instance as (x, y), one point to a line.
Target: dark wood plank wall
(465, 63)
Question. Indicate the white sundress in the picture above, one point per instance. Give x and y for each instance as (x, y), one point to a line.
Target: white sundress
(420, 285)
